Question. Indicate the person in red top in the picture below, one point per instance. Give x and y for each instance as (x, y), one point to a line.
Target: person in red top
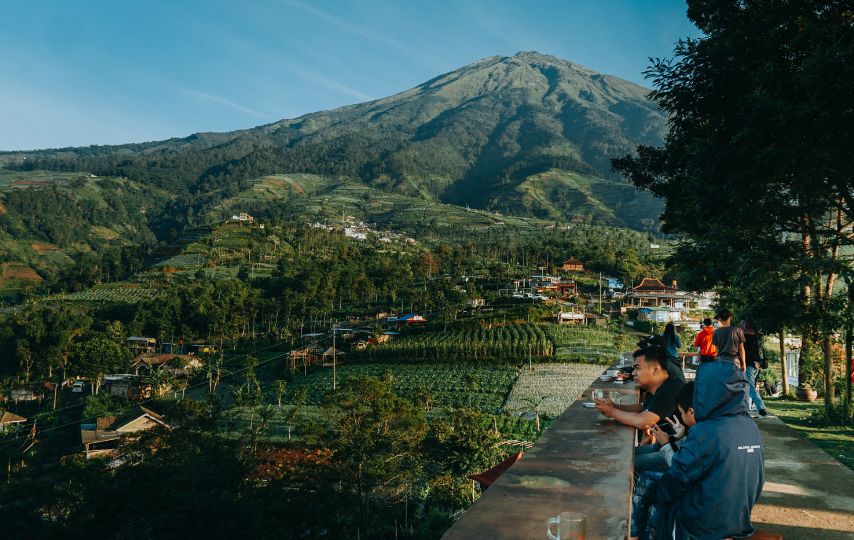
(703, 341)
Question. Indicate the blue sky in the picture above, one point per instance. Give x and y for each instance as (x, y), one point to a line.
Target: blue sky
(75, 73)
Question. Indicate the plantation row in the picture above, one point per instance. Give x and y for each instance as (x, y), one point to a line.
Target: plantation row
(511, 341)
(111, 295)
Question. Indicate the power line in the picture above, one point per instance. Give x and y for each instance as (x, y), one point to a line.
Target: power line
(123, 409)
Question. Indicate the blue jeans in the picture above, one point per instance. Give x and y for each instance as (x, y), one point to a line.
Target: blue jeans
(752, 372)
(644, 514)
(647, 458)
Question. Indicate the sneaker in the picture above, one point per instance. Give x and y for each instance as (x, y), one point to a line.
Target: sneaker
(763, 413)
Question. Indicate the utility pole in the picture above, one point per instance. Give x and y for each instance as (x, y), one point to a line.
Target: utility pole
(334, 386)
(600, 293)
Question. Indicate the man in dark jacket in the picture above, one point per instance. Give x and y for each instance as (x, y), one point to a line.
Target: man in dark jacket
(716, 477)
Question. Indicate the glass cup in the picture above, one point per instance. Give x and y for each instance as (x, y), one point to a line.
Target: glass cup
(615, 396)
(598, 393)
(569, 526)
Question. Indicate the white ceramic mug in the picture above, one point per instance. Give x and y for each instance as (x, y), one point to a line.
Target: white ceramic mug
(569, 525)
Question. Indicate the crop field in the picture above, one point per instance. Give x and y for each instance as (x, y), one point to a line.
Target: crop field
(185, 260)
(509, 341)
(113, 295)
(553, 386)
(446, 384)
(585, 342)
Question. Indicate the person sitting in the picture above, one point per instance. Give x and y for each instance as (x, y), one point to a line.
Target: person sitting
(703, 342)
(674, 365)
(644, 514)
(661, 390)
(716, 477)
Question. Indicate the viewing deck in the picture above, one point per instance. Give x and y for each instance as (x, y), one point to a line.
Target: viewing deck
(582, 463)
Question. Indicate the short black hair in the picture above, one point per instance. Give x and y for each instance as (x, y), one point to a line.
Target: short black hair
(723, 314)
(685, 397)
(653, 353)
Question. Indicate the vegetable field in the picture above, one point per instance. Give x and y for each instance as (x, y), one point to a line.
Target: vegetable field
(483, 388)
(553, 386)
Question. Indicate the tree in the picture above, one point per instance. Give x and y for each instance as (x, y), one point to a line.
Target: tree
(95, 357)
(756, 170)
(376, 441)
(281, 387)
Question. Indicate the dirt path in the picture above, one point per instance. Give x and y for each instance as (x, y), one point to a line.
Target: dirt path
(808, 494)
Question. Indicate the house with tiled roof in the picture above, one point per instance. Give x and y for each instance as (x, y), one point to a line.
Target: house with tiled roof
(8, 420)
(572, 265)
(652, 293)
(103, 437)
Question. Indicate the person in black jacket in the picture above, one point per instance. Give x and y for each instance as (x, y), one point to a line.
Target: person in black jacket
(753, 354)
(715, 479)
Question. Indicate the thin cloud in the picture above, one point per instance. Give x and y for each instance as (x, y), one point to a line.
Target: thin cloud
(223, 101)
(358, 30)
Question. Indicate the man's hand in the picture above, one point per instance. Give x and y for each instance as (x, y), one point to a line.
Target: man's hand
(605, 406)
(661, 437)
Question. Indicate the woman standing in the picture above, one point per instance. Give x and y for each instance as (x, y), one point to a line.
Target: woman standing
(672, 343)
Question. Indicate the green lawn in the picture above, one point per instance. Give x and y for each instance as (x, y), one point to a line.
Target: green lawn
(838, 441)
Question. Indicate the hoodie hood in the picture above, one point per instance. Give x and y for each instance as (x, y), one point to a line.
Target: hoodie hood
(720, 389)
(708, 329)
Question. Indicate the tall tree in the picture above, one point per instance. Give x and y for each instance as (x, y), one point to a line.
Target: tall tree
(756, 170)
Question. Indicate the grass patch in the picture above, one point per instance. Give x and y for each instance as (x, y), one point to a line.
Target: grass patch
(838, 441)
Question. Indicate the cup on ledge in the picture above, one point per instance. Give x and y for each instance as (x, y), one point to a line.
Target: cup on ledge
(569, 526)
(598, 393)
(615, 396)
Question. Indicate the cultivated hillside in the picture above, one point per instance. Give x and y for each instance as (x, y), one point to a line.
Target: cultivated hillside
(529, 134)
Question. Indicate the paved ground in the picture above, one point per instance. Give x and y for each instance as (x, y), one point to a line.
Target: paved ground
(808, 494)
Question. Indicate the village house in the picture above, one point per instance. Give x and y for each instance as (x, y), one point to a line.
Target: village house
(140, 344)
(203, 348)
(652, 293)
(572, 265)
(173, 364)
(411, 319)
(103, 437)
(8, 420)
(661, 314)
(243, 217)
(571, 314)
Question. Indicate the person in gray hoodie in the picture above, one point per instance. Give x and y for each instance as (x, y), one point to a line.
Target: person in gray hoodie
(716, 477)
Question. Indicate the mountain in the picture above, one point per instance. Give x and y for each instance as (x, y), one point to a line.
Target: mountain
(529, 134)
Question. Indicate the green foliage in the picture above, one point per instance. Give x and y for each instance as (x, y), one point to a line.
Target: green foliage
(103, 405)
(757, 108)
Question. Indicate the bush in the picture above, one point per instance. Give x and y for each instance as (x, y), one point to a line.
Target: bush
(103, 405)
(838, 415)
